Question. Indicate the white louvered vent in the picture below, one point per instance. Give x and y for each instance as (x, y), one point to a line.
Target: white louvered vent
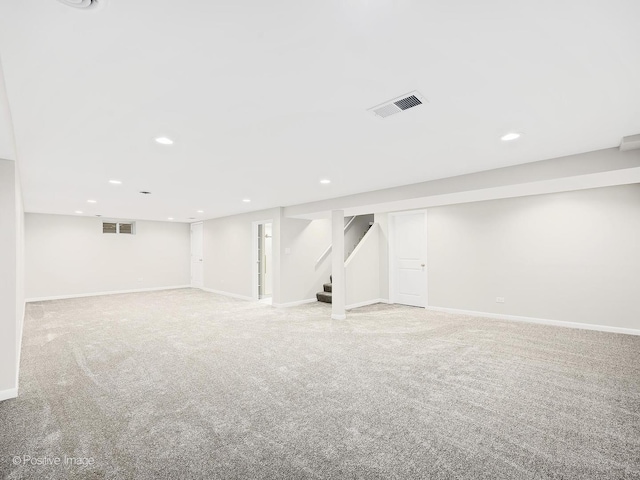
(397, 105)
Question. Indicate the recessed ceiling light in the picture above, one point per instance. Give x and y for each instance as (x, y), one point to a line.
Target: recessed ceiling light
(325, 181)
(115, 182)
(170, 218)
(510, 136)
(79, 212)
(91, 201)
(200, 211)
(164, 141)
(246, 200)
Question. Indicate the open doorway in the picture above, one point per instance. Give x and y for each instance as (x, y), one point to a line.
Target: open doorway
(263, 255)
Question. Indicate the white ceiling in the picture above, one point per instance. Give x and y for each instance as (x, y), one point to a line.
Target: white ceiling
(263, 99)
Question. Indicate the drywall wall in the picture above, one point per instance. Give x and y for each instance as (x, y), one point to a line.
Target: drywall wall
(362, 270)
(382, 219)
(297, 245)
(229, 259)
(69, 255)
(20, 266)
(570, 256)
(11, 254)
(574, 172)
(302, 243)
(11, 275)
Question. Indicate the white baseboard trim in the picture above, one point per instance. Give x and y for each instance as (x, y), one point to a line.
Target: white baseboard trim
(99, 294)
(365, 303)
(542, 321)
(295, 304)
(7, 394)
(227, 294)
(338, 317)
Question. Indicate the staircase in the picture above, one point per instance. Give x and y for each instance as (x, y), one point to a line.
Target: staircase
(325, 296)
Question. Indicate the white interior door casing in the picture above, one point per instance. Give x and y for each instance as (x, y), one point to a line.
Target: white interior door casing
(267, 261)
(409, 259)
(258, 246)
(197, 257)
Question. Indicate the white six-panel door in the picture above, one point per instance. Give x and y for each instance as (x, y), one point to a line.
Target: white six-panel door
(197, 264)
(409, 259)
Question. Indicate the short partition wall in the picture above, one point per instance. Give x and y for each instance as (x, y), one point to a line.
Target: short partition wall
(362, 270)
(11, 276)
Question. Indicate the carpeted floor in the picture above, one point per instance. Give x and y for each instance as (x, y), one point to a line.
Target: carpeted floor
(188, 384)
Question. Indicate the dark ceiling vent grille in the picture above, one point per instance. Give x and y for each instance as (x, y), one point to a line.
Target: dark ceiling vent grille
(399, 104)
(408, 102)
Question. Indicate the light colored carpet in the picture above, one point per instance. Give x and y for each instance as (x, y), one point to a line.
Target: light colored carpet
(188, 384)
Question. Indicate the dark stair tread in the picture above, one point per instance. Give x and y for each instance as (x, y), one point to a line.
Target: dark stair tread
(324, 297)
(327, 287)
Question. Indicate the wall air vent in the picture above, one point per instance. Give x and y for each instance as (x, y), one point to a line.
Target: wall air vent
(122, 228)
(83, 3)
(109, 227)
(397, 105)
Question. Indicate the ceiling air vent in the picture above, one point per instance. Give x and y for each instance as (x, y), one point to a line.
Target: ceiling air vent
(399, 104)
(83, 3)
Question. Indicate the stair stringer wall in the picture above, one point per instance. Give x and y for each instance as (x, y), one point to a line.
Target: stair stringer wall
(355, 232)
(302, 242)
(363, 270)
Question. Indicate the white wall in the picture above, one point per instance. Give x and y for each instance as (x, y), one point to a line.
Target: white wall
(11, 275)
(297, 244)
(575, 172)
(362, 270)
(20, 267)
(68, 255)
(305, 240)
(382, 219)
(229, 261)
(571, 256)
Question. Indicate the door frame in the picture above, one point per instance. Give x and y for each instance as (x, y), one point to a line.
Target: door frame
(191, 254)
(393, 294)
(255, 294)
